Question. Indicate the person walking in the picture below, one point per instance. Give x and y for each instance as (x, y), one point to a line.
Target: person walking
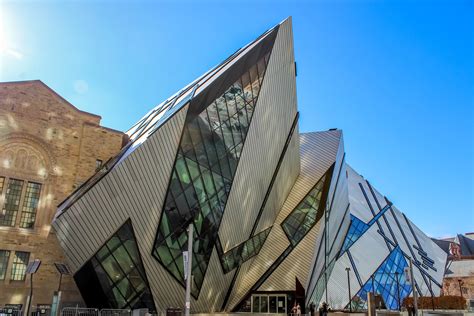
(323, 309)
(311, 308)
(294, 309)
(298, 310)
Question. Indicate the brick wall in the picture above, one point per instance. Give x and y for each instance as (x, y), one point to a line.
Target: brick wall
(44, 139)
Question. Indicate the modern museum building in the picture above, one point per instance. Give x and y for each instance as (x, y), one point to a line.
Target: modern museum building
(279, 217)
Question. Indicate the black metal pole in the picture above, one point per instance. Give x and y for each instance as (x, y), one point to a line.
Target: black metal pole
(398, 291)
(60, 279)
(349, 288)
(373, 290)
(460, 287)
(432, 298)
(31, 294)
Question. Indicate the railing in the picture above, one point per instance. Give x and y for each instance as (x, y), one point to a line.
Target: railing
(10, 312)
(79, 311)
(115, 312)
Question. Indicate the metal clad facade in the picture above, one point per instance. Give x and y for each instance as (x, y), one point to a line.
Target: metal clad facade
(271, 123)
(134, 189)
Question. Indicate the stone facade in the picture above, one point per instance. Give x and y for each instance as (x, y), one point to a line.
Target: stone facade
(460, 276)
(43, 140)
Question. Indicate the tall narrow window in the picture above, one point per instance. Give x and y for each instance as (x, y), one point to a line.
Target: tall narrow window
(30, 205)
(12, 203)
(2, 181)
(20, 261)
(98, 165)
(4, 256)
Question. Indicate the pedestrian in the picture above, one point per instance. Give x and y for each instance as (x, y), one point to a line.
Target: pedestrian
(325, 309)
(311, 308)
(298, 310)
(293, 310)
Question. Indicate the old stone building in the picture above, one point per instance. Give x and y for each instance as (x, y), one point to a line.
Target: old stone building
(48, 148)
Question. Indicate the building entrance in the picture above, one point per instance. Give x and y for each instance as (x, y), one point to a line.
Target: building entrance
(269, 303)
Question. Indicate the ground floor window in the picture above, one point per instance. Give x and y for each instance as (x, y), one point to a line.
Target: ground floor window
(269, 303)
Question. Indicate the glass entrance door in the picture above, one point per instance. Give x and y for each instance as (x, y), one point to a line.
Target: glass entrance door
(269, 303)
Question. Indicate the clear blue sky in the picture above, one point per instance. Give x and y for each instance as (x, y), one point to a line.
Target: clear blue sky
(396, 76)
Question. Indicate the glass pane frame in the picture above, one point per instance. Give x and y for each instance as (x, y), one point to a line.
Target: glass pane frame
(212, 140)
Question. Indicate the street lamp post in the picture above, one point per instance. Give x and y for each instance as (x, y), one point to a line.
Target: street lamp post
(31, 269)
(373, 289)
(398, 291)
(349, 288)
(460, 287)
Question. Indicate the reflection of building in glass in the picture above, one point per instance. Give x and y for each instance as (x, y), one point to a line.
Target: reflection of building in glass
(277, 214)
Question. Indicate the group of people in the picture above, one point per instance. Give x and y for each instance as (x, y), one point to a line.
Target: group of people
(323, 309)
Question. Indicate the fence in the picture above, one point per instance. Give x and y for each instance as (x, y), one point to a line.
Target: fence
(10, 312)
(76, 311)
(115, 312)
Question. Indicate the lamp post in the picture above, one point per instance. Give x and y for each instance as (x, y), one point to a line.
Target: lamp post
(31, 269)
(398, 290)
(349, 288)
(460, 287)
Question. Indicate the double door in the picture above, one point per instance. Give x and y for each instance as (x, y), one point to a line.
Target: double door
(269, 303)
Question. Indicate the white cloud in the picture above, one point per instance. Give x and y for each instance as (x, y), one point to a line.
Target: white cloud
(13, 53)
(81, 86)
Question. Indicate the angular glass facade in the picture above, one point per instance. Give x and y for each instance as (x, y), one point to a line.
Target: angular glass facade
(306, 214)
(116, 273)
(243, 252)
(357, 229)
(202, 175)
(388, 281)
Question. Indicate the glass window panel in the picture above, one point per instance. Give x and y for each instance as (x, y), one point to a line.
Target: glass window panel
(175, 186)
(222, 109)
(256, 304)
(126, 288)
(261, 67)
(272, 304)
(112, 268)
(121, 275)
(255, 83)
(386, 285)
(12, 202)
(214, 144)
(304, 216)
(282, 304)
(208, 181)
(200, 191)
(4, 256)
(241, 253)
(2, 182)
(124, 259)
(247, 86)
(231, 105)
(20, 261)
(213, 116)
(182, 172)
(263, 304)
(228, 137)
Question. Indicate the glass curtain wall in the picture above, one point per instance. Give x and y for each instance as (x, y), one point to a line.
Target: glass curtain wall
(388, 281)
(119, 273)
(243, 252)
(306, 214)
(202, 176)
